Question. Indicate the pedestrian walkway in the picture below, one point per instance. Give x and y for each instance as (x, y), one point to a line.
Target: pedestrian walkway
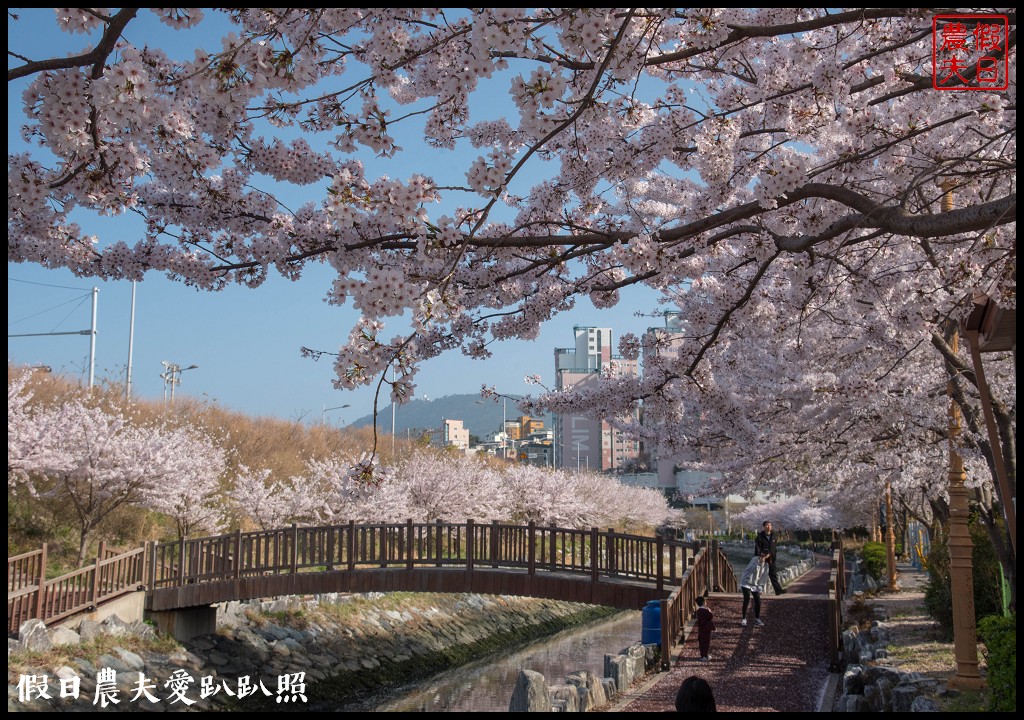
(782, 666)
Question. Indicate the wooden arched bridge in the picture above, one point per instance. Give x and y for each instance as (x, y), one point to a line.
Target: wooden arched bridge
(601, 567)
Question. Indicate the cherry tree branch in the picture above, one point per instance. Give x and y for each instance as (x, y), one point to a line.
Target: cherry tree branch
(95, 57)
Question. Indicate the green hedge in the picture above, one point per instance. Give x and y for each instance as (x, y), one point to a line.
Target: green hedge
(938, 598)
(1000, 637)
(873, 560)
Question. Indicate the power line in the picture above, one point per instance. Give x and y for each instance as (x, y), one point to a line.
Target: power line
(80, 298)
(62, 287)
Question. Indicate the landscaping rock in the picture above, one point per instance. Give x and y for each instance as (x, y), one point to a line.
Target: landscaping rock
(64, 636)
(89, 630)
(530, 693)
(32, 636)
(132, 660)
(923, 704)
(567, 696)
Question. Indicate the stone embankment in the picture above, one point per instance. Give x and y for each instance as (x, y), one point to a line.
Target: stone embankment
(869, 685)
(336, 651)
(883, 673)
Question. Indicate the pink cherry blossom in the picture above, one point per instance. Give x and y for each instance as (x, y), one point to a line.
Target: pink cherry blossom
(812, 210)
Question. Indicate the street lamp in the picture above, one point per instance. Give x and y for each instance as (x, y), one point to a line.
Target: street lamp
(504, 426)
(323, 415)
(393, 408)
(172, 376)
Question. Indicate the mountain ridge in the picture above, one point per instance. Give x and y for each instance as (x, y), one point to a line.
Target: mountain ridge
(481, 416)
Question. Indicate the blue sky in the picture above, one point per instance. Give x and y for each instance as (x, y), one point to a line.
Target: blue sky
(246, 342)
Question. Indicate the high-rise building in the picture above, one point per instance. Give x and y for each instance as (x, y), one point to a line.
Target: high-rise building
(582, 442)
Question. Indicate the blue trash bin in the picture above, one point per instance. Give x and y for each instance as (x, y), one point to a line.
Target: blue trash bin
(650, 633)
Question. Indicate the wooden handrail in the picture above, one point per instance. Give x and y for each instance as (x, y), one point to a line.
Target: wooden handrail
(22, 556)
(26, 569)
(109, 576)
(836, 594)
(710, 566)
(599, 554)
(471, 544)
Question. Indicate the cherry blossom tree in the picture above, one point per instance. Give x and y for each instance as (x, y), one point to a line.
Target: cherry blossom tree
(429, 486)
(98, 461)
(533, 494)
(579, 500)
(190, 493)
(26, 434)
(450, 487)
(273, 503)
(787, 178)
(790, 149)
(361, 490)
(792, 513)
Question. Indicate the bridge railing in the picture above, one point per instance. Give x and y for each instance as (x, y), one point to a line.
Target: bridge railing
(111, 574)
(709, 570)
(25, 569)
(687, 569)
(836, 593)
(470, 544)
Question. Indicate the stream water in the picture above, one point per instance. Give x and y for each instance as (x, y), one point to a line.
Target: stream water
(486, 686)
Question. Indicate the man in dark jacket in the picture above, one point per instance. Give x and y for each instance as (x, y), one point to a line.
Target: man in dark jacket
(764, 544)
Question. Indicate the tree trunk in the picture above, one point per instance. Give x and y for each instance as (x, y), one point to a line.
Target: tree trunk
(940, 518)
(82, 538)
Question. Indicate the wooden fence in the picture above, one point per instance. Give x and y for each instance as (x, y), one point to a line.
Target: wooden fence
(31, 595)
(709, 571)
(836, 593)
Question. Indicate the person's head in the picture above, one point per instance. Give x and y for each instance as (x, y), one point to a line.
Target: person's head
(695, 696)
(700, 601)
(767, 525)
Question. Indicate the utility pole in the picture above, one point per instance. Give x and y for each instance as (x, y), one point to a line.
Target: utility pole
(172, 376)
(91, 332)
(92, 338)
(131, 342)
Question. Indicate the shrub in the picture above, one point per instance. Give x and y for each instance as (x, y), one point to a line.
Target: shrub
(873, 560)
(938, 596)
(1000, 637)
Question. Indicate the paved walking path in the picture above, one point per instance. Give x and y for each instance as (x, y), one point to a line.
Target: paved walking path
(782, 666)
